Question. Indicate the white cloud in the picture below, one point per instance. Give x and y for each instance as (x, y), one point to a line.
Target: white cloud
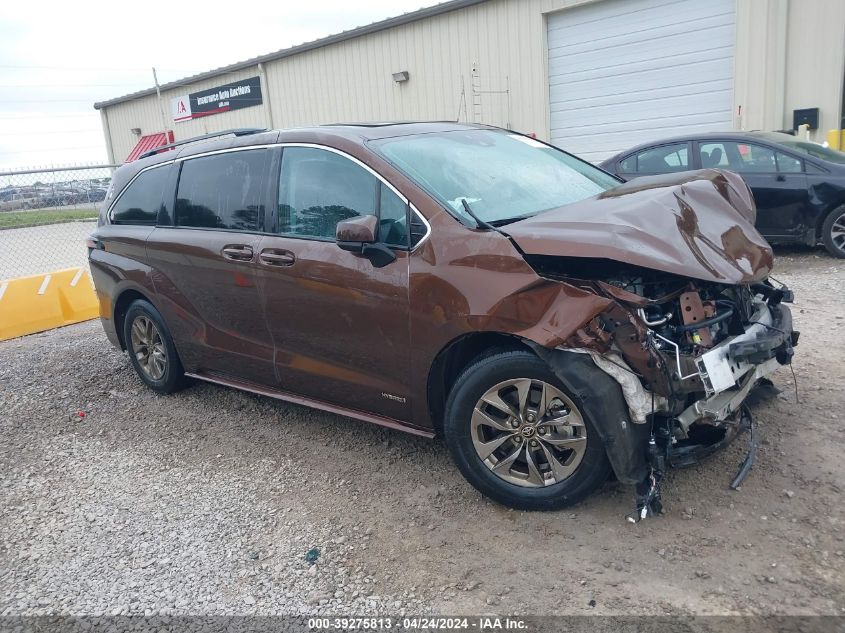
(57, 58)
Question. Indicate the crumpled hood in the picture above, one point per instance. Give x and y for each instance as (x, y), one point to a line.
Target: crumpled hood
(697, 224)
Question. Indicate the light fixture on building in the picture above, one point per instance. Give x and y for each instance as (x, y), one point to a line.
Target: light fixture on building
(401, 76)
(136, 131)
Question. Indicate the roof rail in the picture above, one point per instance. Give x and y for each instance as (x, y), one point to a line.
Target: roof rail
(242, 131)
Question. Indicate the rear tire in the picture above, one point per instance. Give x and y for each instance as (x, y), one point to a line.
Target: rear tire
(151, 349)
(544, 454)
(833, 232)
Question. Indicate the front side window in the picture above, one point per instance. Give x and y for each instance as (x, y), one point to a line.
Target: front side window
(501, 176)
(742, 158)
(663, 159)
(224, 191)
(787, 164)
(319, 188)
(141, 200)
(754, 158)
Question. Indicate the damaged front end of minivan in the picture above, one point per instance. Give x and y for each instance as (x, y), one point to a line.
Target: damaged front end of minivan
(691, 322)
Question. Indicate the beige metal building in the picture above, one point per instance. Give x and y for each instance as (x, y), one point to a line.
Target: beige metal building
(592, 76)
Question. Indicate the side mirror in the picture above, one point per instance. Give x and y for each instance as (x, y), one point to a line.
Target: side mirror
(351, 234)
(358, 235)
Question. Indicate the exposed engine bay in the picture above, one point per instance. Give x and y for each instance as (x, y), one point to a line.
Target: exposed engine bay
(686, 352)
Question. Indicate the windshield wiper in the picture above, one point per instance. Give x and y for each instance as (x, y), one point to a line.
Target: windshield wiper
(481, 223)
(505, 221)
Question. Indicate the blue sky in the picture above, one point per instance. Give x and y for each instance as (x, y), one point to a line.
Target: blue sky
(57, 58)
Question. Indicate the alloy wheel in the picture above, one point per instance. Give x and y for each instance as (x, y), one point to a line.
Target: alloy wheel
(148, 347)
(528, 433)
(837, 232)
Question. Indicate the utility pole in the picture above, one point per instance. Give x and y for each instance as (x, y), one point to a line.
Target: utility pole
(265, 90)
(160, 106)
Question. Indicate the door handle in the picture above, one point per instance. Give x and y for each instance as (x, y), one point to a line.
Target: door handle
(273, 257)
(237, 252)
(780, 178)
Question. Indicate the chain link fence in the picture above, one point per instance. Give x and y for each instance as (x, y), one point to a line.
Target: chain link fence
(45, 216)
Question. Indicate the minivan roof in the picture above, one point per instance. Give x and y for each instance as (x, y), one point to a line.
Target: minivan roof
(329, 134)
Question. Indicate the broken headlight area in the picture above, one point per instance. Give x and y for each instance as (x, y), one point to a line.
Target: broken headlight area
(686, 353)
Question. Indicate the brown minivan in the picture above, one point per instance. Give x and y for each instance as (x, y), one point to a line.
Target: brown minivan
(552, 323)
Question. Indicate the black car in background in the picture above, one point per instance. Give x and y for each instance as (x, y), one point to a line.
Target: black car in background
(799, 187)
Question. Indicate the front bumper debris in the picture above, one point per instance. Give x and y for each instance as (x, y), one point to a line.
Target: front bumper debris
(726, 374)
(731, 369)
(776, 342)
(751, 455)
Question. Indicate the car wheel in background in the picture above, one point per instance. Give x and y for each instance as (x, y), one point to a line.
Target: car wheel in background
(151, 349)
(833, 232)
(519, 437)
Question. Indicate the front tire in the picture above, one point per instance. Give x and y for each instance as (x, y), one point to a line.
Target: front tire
(833, 232)
(519, 436)
(151, 349)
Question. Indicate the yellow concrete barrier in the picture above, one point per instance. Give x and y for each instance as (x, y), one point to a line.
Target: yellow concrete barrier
(43, 302)
(836, 139)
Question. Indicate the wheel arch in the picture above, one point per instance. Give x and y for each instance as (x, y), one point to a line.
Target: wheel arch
(121, 305)
(601, 397)
(820, 220)
(597, 393)
(454, 357)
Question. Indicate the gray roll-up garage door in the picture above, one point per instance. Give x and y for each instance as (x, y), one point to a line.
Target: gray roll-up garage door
(623, 72)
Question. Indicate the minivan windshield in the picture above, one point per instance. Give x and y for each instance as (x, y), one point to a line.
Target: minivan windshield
(501, 176)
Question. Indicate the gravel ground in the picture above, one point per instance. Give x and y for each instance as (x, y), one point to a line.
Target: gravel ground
(207, 502)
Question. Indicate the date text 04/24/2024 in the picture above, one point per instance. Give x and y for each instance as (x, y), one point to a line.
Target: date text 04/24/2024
(417, 623)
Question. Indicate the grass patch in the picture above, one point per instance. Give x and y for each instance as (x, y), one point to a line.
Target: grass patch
(13, 219)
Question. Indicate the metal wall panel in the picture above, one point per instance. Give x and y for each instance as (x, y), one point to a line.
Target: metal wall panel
(499, 46)
(484, 64)
(815, 63)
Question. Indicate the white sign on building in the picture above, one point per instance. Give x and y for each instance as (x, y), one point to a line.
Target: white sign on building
(181, 108)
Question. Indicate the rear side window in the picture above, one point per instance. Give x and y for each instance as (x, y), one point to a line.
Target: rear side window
(663, 159)
(717, 154)
(141, 200)
(629, 165)
(225, 191)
